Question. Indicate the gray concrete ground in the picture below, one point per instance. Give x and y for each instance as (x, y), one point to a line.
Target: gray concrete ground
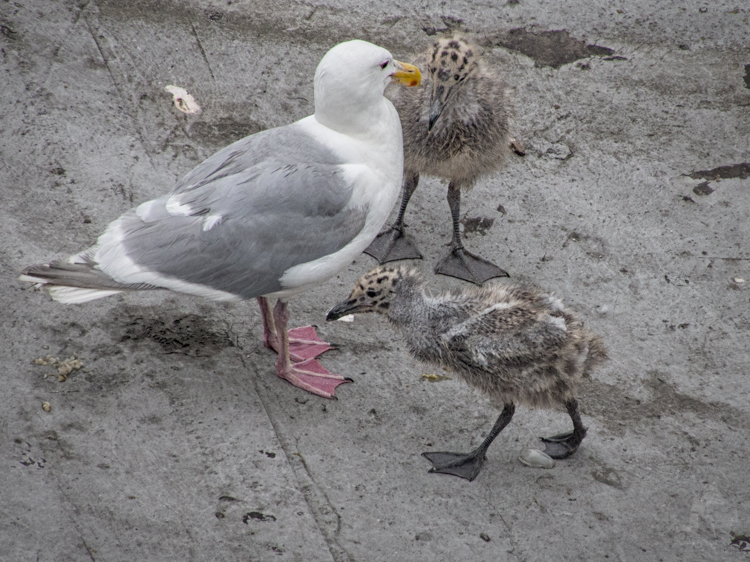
(176, 441)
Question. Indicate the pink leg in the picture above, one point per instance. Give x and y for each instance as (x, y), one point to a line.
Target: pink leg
(269, 330)
(309, 374)
(304, 342)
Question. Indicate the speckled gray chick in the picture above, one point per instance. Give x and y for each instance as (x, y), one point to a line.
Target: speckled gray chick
(456, 127)
(515, 343)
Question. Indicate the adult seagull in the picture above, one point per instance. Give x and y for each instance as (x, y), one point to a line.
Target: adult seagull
(271, 215)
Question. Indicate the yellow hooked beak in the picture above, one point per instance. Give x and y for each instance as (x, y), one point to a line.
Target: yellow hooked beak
(407, 74)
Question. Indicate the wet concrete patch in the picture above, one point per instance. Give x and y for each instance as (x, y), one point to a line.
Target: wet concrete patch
(477, 224)
(614, 407)
(703, 189)
(732, 171)
(175, 332)
(549, 48)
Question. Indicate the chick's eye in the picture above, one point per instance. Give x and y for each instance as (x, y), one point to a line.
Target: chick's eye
(384, 64)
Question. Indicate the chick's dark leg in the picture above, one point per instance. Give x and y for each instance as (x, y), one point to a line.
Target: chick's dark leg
(565, 444)
(468, 465)
(461, 263)
(394, 244)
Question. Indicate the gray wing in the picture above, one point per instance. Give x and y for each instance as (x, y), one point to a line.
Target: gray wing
(283, 145)
(244, 226)
(506, 337)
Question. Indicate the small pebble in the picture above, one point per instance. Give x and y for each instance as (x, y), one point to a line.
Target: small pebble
(738, 280)
(536, 458)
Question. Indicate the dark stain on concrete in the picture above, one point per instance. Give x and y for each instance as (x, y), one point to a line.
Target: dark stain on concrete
(549, 48)
(8, 32)
(477, 224)
(609, 476)
(746, 78)
(732, 171)
(594, 246)
(175, 332)
(613, 407)
(703, 189)
(742, 542)
(258, 516)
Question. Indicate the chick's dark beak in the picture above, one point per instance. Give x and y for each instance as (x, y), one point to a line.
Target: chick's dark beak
(349, 306)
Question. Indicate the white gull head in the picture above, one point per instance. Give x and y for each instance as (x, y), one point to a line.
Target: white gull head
(356, 102)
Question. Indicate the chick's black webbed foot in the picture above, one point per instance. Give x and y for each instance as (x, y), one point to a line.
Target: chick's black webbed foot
(563, 445)
(462, 264)
(458, 464)
(393, 244)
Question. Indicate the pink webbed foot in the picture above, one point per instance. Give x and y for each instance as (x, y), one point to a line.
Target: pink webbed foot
(304, 343)
(311, 376)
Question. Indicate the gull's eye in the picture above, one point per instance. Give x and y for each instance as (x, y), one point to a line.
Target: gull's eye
(384, 65)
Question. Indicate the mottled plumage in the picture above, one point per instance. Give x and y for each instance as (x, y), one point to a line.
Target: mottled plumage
(457, 128)
(516, 343)
(471, 107)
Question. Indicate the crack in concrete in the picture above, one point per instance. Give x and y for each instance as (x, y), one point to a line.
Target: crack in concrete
(517, 552)
(202, 50)
(120, 92)
(73, 518)
(317, 500)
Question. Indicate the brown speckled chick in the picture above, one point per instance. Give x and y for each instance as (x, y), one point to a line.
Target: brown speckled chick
(455, 127)
(515, 343)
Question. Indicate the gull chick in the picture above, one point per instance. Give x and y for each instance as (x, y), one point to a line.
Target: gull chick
(455, 128)
(515, 343)
(270, 216)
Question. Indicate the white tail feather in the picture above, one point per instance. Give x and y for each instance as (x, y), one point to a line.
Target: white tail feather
(76, 295)
(30, 279)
